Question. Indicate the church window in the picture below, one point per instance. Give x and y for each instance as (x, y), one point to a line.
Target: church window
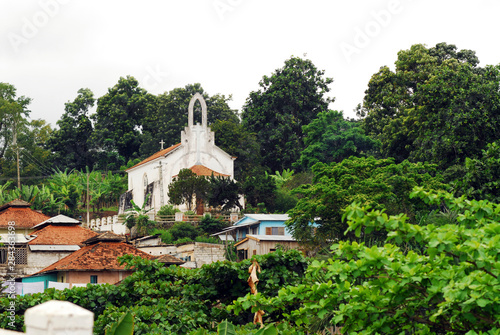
(145, 179)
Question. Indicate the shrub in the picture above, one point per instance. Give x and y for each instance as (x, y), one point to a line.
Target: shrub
(183, 229)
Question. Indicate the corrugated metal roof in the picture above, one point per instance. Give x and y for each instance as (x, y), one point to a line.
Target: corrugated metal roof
(58, 219)
(20, 238)
(268, 217)
(54, 247)
(271, 237)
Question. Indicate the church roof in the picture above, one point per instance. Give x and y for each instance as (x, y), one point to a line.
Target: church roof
(201, 170)
(155, 156)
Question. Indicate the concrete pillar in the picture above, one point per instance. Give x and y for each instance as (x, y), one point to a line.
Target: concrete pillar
(58, 318)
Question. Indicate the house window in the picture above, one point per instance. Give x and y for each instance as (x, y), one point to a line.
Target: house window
(145, 180)
(20, 254)
(93, 279)
(275, 230)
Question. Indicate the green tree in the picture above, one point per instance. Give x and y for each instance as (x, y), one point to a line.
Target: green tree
(118, 121)
(224, 193)
(238, 142)
(13, 115)
(71, 143)
(187, 187)
(381, 184)
(331, 138)
(437, 106)
(183, 230)
(482, 175)
(289, 99)
(170, 116)
(450, 286)
(260, 192)
(210, 225)
(35, 160)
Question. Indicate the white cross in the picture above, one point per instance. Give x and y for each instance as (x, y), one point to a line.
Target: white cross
(162, 143)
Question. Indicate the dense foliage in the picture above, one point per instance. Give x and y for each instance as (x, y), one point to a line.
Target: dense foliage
(437, 106)
(450, 286)
(287, 100)
(193, 297)
(383, 184)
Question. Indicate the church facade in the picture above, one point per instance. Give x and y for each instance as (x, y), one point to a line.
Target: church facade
(149, 179)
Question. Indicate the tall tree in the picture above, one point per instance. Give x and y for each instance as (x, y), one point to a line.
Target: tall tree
(382, 184)
(237, 141)
(331, 138)
(170, 116)
(119, 119)
(187, 187)
(289, 99)
(13, 115)
(71, 142)
(437, 105)
(34, 159)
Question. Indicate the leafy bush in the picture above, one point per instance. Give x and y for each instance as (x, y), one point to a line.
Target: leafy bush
(170, 299)
(451, 287)
(208, 239)
(183, 240)
(168, 210)
(165, 235)
(210, 225)
(182, 230)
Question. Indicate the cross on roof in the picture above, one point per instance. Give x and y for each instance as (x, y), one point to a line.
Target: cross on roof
(162, 143)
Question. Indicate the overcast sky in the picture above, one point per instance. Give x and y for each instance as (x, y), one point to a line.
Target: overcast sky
(51, 48)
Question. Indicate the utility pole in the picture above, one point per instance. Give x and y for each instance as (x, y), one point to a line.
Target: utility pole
(88, 198)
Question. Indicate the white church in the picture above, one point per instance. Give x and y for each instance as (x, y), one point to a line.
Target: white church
(196, 151)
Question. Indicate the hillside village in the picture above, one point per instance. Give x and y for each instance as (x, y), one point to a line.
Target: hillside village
(169, 209)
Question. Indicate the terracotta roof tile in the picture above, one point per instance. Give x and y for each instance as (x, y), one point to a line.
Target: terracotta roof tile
(62, 235)
(15, 203)
(169, 259)
(156, 155)
(101, 256)
(105, 237)
(201, 170)
(24, 217)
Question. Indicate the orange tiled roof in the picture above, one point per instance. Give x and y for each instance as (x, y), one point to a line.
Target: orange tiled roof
(169, 259)
(156, 155)
(201, 170)
(101, 256)
(23, 216)
(62, 235)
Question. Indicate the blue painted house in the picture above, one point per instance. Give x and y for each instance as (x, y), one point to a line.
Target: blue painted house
(258, 234)
(258, 224)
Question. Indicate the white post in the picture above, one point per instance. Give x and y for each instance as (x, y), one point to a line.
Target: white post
(57, 318)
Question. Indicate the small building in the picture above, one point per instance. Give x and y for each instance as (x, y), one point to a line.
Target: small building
(263, 244)
(53, 240)
(192, 254)
(258, 234)
(197, 254)
(17, 222)
(256, 224)
(95, 263)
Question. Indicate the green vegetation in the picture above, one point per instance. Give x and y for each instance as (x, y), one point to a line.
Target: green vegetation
(449, 286)
(399, 207)
(194, 298)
